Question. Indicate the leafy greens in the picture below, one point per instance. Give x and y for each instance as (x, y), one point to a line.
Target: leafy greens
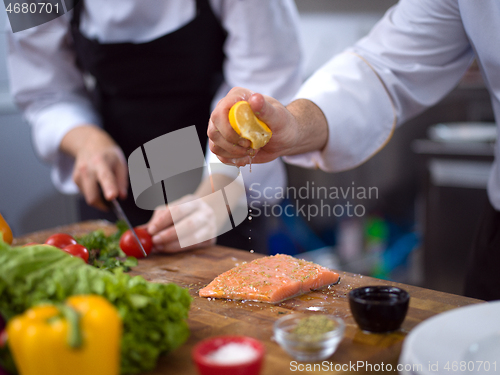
(105, 252)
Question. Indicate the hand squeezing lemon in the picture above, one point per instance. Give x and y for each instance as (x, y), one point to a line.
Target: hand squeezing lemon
(248, 126)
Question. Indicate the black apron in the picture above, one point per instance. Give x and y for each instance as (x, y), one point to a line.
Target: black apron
(483, 276)
(144, 90)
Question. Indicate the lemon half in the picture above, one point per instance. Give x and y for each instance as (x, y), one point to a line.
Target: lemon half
(248, 126)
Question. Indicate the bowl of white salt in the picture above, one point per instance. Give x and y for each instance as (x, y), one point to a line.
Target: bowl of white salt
(229, 355)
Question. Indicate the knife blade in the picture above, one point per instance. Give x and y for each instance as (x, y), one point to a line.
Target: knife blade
(121, 215)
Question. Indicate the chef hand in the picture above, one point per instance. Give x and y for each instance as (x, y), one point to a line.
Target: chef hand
(230, 148)
(99, 164)
(298, 128)
(194, 219)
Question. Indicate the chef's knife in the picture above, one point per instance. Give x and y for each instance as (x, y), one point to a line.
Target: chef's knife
(121, 215)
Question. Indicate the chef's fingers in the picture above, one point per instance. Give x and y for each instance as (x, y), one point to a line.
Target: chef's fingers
(185, 206)
(107, 180)
(111, 170)
(203, 236)
(161, 219)
(220, 118)
(264, 109)
(218, 143)
(196, 228)
(91, 191)
(230, 151)
(121, 173)
(85, 178)
(164, 216)
(164, 237)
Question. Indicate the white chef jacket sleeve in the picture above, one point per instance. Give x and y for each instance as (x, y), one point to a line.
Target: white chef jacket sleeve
(262, 47)
(263, 54)
(411, 59)
(48, 87)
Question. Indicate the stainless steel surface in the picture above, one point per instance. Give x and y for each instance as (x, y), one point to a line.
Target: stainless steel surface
(121, 215)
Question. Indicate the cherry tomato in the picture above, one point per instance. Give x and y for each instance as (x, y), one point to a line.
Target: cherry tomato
(77, 250)
(129, 245)
(60, 240)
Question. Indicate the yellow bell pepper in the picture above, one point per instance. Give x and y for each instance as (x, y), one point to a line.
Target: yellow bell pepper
(81, 337)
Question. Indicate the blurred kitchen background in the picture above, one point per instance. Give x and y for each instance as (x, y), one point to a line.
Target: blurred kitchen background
(430, 179)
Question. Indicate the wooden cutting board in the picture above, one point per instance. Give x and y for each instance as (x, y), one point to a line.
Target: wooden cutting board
(211, 317)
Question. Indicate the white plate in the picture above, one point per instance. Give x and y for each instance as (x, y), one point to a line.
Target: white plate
(464, 132)
(455, 342)
(485, 350)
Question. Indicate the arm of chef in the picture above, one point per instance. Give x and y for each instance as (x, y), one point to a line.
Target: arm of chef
(263, 53)
(411, 59)
(49, 89)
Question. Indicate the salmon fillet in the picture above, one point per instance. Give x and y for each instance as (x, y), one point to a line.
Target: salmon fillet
(270, 279)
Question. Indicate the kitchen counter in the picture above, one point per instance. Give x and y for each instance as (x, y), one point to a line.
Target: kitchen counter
(210, 317)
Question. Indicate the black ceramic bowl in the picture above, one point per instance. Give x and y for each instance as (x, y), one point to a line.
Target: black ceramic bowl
(379, 308)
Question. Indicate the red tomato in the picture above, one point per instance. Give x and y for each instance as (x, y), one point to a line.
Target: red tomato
(60, 240)
(129, 245)
(77, 250)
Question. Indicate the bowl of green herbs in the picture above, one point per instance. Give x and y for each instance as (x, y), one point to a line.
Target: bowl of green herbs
(309, 337)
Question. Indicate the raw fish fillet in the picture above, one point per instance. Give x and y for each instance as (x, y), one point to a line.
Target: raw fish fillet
(270, 279)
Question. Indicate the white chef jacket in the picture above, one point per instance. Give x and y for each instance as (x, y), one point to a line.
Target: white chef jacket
(261, 53)
(410, 60)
